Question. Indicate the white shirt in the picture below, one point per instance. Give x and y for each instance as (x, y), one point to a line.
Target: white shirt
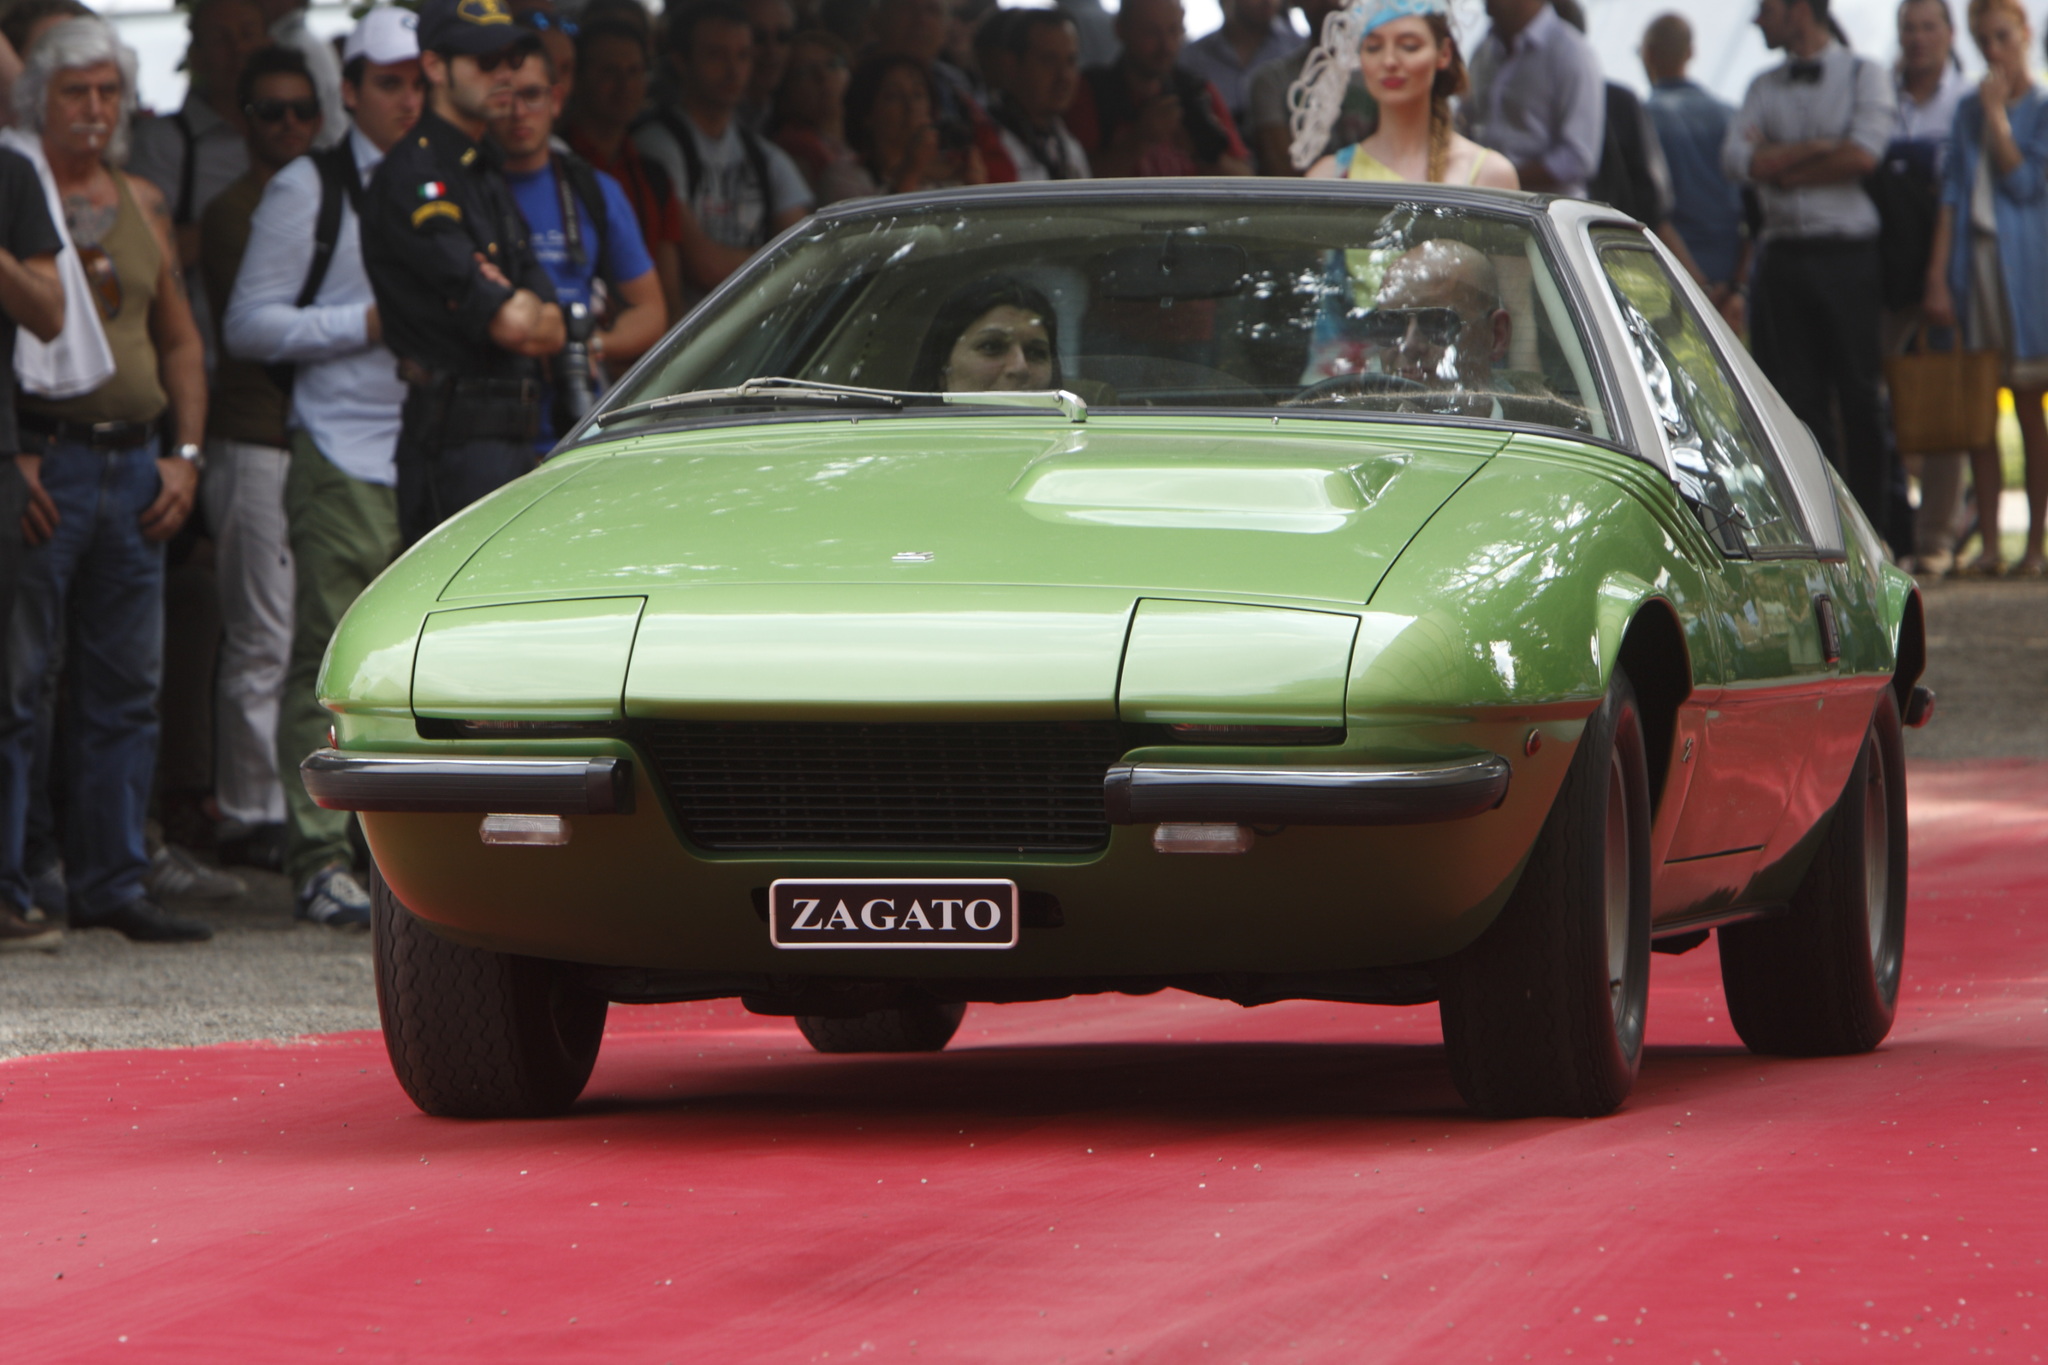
(1029, 164)
(347, 393)
(1851, 100)
(1542, 100)
(729, 206)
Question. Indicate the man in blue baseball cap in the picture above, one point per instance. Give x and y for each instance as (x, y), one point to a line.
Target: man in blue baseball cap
(465, 305)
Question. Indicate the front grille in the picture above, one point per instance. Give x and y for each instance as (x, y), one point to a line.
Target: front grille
(997, 786)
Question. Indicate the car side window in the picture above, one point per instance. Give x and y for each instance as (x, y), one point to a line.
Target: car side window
(1724, 463)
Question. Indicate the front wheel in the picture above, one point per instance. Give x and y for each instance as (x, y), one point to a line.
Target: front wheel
(1543, 1014)
(476, 1034)
(1822, 980)
(924, 1027)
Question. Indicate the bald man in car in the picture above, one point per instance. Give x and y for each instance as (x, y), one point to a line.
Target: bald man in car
(1438, 319)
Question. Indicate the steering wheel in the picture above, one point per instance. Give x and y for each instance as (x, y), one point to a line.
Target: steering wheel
(1342, 388)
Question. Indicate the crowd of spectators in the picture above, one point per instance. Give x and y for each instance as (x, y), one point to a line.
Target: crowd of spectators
(210, 460)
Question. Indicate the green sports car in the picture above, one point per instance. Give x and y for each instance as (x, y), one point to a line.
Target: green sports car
(1277, 590)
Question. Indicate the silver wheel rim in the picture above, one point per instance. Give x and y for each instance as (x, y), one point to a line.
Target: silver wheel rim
(1618, 895)
(1877, 851)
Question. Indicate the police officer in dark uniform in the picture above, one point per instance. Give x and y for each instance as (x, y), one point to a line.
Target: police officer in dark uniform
(462, 301)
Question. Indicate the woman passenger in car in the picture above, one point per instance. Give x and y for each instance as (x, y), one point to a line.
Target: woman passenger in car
(1409, 58)
(995, 335)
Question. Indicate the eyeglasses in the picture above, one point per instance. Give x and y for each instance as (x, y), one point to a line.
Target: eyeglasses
(1391, 326)
(274, 111)
(104, 279)
(531, 96)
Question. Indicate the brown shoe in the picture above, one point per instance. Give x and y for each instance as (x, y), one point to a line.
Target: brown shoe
(23, 931)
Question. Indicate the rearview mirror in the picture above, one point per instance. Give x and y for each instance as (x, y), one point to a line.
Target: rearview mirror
(1175, 269)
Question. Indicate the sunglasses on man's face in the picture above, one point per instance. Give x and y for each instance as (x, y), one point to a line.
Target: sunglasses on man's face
(1433, 326)
(274, 111)
(509, 56)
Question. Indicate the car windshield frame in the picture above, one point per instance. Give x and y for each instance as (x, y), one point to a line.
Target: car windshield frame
(1528, 212)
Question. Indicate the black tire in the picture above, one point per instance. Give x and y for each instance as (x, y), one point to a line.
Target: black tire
(475, 1034)
(923, 1027)
(1822, 980)
(1543, 1014)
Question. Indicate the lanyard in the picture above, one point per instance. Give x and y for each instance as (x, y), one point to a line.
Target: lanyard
(572, 221)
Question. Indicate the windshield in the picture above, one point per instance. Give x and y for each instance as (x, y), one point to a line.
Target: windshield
(1201, 303)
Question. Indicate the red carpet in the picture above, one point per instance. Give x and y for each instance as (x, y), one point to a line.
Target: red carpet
(1167, 1179)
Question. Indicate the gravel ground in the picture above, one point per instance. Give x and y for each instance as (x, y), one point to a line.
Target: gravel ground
(264, 977)
(1987, 661)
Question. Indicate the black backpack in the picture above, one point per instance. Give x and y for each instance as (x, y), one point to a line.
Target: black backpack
(1908, 197)
(340, 183)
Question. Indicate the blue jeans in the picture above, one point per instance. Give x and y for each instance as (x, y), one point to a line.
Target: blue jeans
(94, 596)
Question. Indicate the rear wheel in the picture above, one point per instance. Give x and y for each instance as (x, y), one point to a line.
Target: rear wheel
(924, 1027)
(477, 1034)
(1543, 1014)
(1823, 979)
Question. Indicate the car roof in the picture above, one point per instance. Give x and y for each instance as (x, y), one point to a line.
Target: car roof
(1179, 190)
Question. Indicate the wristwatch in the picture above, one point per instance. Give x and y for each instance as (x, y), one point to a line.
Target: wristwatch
(191, 455)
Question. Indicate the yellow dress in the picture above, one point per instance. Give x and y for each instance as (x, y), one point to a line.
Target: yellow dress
(1363, 165)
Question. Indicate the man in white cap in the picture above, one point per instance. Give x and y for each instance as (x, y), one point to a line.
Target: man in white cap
(303, 300)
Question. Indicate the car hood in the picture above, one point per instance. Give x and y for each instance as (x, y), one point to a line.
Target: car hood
(1291, 508)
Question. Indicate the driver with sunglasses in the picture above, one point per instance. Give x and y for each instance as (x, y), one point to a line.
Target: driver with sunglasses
(1438, 320)
(1436, 338)
(465, 304)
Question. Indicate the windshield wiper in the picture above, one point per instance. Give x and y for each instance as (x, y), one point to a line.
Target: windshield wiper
(777, 390)
(771, 391)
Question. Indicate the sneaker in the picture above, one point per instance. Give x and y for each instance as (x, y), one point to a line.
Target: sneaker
(25, 930)
(259, 846)
(144, 921)
(175, 875)
(333, 897)
(47, 890)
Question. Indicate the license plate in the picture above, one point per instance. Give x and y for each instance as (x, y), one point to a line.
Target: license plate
(880, 912)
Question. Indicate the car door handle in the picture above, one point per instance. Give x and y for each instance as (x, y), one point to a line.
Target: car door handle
(1830, 634)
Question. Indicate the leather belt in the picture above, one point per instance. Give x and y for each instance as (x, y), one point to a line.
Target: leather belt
(504, 390)
(98, 435)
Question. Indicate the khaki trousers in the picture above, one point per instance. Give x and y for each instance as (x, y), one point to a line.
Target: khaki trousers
(344, 532)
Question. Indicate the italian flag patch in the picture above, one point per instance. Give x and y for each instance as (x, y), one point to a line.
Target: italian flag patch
(433, 189)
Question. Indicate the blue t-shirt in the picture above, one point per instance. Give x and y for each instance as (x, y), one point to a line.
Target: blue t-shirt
(624, 253)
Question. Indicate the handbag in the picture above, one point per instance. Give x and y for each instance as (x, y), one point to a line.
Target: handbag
(1942, 401)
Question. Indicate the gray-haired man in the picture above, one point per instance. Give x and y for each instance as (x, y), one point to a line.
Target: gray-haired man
(102, 496)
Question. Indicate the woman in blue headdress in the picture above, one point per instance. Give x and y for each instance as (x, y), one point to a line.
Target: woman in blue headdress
(1409, 58)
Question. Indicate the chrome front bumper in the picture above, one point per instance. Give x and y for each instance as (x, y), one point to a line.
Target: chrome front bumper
(1374, 794)
(1132, 793)
(526, 786)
